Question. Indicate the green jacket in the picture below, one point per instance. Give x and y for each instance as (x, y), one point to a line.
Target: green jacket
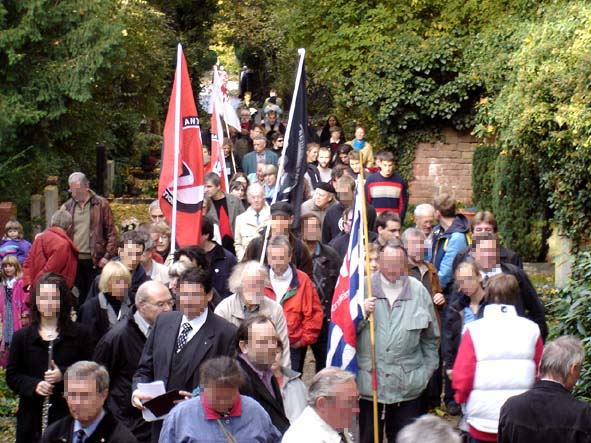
(407, 342)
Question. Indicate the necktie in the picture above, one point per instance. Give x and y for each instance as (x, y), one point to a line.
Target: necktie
(182, 340)
(257, 215)
(79, 436)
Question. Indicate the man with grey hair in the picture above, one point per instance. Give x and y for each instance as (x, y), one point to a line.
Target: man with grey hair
(260, 152)
(332, 405)
(250, 223)
(93, 231)
(86, 389)
(155, 213)
(247, 284)
(548, 412)
(428, 429)
(424, 215)
(52, 251)
(120, 350)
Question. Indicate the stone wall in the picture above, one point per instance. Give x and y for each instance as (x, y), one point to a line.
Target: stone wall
(444, 166)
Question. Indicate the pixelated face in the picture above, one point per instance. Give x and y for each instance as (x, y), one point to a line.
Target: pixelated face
(156, 303)
(344, 192)
(156, 215)
(323, 158)
(312, 154)
(12, 233)
(359, 133)
(373, 261)
(486, 254)
(416, 248)
(484, 227)
(220, 397)
(192, 299)
(262, 344)
(211, 190)
(391, 263)
(131, 254)
(280, 224)
(118, 287)
(256, 200)
(48, 300)
(84, 401)
(425, 223)
(79, 192)
(278, 259)
(311, 230)
(253, 288)
(9, 269)
(259, 145)
(386, 168)
(392, 230)
(343, 406)
(355, 165)
(322, 198)
(468, 280)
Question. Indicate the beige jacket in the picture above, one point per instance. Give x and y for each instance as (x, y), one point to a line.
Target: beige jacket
(246, 228)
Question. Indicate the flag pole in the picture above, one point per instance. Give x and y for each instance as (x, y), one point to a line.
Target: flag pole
(227, 132)
(302, 53)
(372, 332)
(177, 149)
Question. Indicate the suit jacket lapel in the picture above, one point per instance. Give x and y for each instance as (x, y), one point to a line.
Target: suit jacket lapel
(202, 343)
(167, 344)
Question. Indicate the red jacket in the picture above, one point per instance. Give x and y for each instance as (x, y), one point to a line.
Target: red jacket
(301, 307)
(52, 251)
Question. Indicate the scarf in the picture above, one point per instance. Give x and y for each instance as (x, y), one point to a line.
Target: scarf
(358, 145)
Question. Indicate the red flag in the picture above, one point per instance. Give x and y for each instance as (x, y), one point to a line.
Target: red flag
(217, 161)
(181, 188)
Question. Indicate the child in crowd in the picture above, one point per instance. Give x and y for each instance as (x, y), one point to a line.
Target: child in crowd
(14, 304)
(13, 242)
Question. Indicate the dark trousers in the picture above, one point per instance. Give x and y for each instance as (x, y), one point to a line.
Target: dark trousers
(394, 417)
(319, 348)
(475, 440)
(85, 275)
(298, 357)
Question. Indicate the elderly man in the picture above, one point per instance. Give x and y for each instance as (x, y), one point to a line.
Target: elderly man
(332, 405)
(256, 346)
(250, 160)
(324, 197)
(52, 251)
(406, 345)
(86, 389)
(220, 413)
(247, 283)
(429, 429)
(155, 213)
(93, 231)
(424, 215)
(548, 412)
(251, 221)
(120, 350)
(295, 292)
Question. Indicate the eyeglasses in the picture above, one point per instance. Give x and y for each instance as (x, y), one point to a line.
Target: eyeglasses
(279, 140)
(162, 304)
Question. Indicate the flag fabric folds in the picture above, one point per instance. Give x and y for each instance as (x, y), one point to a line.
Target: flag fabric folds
(217, 161)
(348, 296)
(181, 189)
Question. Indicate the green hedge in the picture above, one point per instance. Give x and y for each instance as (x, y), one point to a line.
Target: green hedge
(483, 176)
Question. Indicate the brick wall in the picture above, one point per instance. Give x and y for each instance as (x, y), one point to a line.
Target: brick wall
(443, 166)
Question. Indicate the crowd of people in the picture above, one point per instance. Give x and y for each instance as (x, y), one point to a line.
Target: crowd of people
(90, 316)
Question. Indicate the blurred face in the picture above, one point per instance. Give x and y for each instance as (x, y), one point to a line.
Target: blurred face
(212, 190)
(131, 255)
(186, 260)
(280, 224)
(156, 215)
(312, 154)
(344, 158)
(12, 233)
(48, 300)
(262, 345)
(161, 241)
(253, 288)
(79, 192)
(335, 135)
(278, 259)
(226, 149)
(255, 132)
(348, 221)
(270, 179)
(332, 121)
(256, 200)
(272, 118)
(259, 145)
(373, 261)
(416, 249)
(279, 143)
(322, 198)
(344, 192)
(205, 156)
(261, 171)
(484, 227)
(323, 158)
(311, 230)
(339, 409)
(221, 397)
(386, 168)
(238, 192)
(392, 230)
(192, 299)
(118, 287)
(359, 133)
(244, 116)
(84, 401)
(355, 165)
(9, 270)
(156, 302)
(468, 281)
(425, 223)
(486, 254)
(391, 263)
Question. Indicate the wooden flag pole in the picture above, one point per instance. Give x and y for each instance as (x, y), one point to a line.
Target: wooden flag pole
(372, 332)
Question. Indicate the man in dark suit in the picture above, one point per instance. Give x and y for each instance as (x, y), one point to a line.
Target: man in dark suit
(260, 152)
(120, 350)
(256, 345)
(180, 341)
(86, 389)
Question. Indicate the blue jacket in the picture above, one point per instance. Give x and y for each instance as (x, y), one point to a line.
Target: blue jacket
(249, 161)
(446, 244)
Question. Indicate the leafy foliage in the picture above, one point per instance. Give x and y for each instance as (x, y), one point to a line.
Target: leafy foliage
(483, 176)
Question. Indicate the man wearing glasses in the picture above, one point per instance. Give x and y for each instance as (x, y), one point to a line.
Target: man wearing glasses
(120, 350)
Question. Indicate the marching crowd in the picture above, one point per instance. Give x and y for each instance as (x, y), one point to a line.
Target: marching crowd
(90, 316)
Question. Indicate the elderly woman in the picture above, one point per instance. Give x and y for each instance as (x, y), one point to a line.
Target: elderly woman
(160, 235)
(219, 413)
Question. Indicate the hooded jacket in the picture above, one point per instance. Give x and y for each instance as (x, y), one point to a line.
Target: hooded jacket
(446, 244)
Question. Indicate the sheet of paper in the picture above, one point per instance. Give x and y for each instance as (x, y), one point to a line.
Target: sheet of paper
(154, 389)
